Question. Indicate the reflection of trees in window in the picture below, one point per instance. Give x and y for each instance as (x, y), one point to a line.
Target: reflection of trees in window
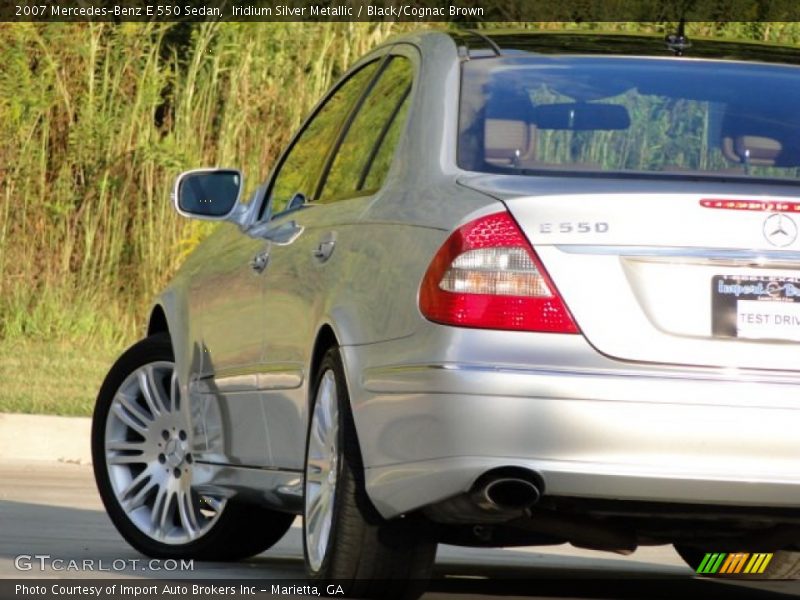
(665, 134)
(365, 155)
(376, 170)
(301, 169)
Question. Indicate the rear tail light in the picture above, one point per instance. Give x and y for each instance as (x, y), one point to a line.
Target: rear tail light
(486, 275)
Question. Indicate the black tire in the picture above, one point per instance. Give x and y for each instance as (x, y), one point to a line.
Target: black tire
(370, 556)
(241, 530)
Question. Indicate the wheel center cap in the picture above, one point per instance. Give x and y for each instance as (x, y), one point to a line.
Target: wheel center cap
(175, 453)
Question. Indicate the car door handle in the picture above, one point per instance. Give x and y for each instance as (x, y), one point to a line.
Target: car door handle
(325, 248)
(281, 235)
(260, 261)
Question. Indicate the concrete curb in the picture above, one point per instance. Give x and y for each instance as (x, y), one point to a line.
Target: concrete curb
(45, 438)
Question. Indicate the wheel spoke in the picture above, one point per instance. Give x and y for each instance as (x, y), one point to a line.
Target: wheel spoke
(155, 514)
(141, 495)
(312, 491)
(165, 511)
(125, 446)
(319, 521)
(123, 415)
(325, 496)
(324, 533)
(150, 390)
(135, 409)
(121, 452)
(333, 432)
(314, 471)
(316, 510)
(320, 427)
(148, 394)
(174, 392)
(327, 398)
(134, 484)
(126, 459)
(316, 447)
(187, 511)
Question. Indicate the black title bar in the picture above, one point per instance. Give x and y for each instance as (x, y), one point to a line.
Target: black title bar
(468, 11)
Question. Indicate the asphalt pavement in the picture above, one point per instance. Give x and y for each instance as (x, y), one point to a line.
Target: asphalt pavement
(51, 509)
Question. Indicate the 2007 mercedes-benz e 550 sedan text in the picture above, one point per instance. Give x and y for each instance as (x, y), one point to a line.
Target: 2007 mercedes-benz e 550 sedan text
(533, 288)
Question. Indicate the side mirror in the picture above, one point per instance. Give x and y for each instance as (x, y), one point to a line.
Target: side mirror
(209, 194)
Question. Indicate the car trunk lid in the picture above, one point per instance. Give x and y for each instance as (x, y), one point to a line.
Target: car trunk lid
(679, 272)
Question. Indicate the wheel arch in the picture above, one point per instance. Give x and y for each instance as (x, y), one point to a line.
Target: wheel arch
(169, 314)
(157, 323)
(326, 339)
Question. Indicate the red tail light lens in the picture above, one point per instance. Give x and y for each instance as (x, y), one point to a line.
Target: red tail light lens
(486, 275)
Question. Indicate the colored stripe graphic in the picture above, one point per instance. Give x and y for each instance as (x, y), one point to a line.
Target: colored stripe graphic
(711, 563)
(758, 563)
(734, 563)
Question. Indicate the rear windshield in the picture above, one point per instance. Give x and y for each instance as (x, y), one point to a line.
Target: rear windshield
(678, 117)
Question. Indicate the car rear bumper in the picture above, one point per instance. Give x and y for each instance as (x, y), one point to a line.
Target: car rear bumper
(428, 431)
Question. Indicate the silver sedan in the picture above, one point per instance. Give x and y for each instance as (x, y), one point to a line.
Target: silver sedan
(519, 289)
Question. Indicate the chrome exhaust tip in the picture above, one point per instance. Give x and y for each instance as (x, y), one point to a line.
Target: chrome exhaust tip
(511, 493)
(507, 490)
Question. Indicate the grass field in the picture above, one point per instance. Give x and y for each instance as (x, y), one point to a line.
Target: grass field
(57, 378)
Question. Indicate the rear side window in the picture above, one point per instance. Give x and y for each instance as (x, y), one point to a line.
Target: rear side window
(676, 117)
(365, 154)
(377, 168)
(300, 170)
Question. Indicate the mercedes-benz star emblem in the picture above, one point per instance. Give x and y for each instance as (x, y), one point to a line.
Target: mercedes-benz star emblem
(780, 230)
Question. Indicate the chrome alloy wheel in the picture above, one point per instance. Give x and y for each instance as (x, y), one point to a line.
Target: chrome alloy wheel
(148, 454)
(322, 465)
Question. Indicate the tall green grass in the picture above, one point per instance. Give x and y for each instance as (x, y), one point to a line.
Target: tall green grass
(96, 120)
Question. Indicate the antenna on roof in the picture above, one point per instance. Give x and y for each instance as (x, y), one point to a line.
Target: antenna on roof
(489, 41)
(677, 42)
